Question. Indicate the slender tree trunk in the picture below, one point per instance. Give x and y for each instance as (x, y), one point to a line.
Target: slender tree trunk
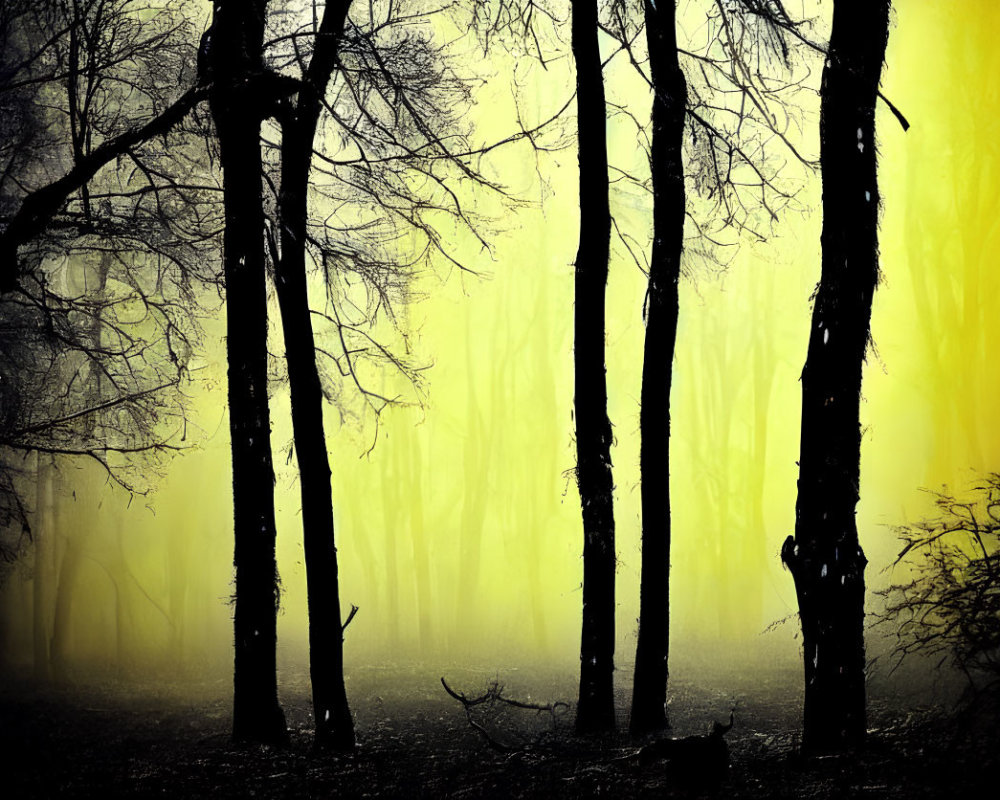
(824, 555)
(334, 725)
(476, 453)
(391, 524)
(755, 563)
(43, 533)
(596, 709)
(179, 591)
(649, 690)
(543, 484)
(237, 37)
(121, 577)
(69, 570)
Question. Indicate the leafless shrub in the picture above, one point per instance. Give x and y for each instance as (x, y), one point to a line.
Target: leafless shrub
(948, 605)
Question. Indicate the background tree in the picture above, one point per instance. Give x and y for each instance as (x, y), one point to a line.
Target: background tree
(721, 156)
(523, 24)
(824, 555)
(107, 56)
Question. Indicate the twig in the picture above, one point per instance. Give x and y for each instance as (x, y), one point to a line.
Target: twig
(493, 695)
(467, 705)
(350, 617)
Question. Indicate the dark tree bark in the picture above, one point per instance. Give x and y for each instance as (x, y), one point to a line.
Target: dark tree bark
(824, 556)
(596, 711)
(649, 690)
(334, 725)
(237, 36)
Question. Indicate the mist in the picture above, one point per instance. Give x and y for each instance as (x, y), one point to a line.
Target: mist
(456, 507)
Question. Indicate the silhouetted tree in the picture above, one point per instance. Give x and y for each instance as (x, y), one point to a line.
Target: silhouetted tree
(824, 555)
(669, 206)
(707, 138)
(244, 91)
(378, 83)
(299, 121)
(596, 711)
(239, 104)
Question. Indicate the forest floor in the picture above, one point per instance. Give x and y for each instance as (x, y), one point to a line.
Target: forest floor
(129, 740)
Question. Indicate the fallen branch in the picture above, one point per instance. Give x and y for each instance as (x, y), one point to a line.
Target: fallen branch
(494, 695)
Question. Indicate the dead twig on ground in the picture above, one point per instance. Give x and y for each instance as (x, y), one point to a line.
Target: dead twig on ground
(494, 696)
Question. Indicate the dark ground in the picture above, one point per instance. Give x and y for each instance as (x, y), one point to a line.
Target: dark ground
(171, 740)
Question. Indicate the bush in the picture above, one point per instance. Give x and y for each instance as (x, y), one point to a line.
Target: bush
(950, 606)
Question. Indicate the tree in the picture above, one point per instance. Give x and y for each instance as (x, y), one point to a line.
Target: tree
(824, 554)
(242, 93)
(385, 89)
(299, 121)
(708, 141)
(239, 105)
(382, 84)
(595, 711)
(669, 206)
(89, 378)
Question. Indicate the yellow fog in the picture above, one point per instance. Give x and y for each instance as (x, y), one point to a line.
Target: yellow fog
(459, 533)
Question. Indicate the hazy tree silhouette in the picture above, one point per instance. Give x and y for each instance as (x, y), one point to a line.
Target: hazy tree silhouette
(105, 56)
(713, 141)
(824, 555)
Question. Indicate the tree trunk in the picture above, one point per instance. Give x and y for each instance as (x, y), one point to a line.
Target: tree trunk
(596, 711)
(43, 533)
(69, 570)
(421, 549)
(391, 525)
(649, 691)
(237, 37)
(476, 455)
(334, 725)
(824, 555)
